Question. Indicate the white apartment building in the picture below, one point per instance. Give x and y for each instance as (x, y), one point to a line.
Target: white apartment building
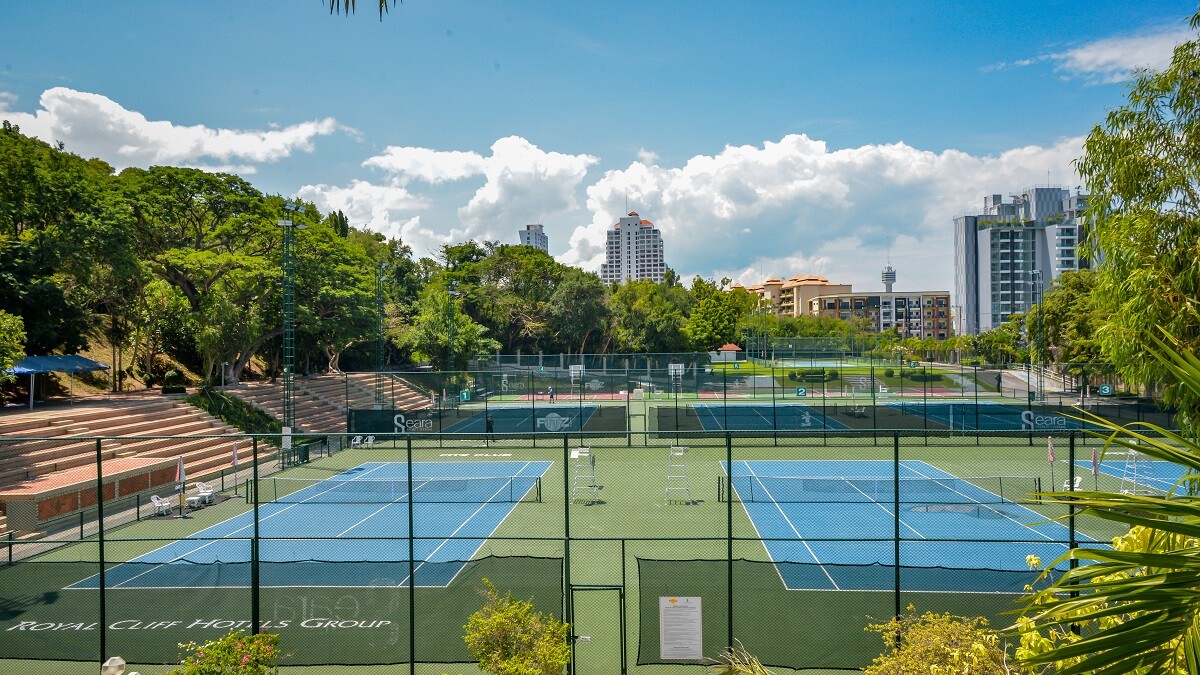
(633, 250)
(1006, 256)
(535, 236)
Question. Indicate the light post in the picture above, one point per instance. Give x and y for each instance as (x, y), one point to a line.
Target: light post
(289, 320)
(1040, 337)
(450, 295)
(379, 338)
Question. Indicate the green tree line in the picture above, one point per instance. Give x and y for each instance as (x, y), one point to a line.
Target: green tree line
(181, 266)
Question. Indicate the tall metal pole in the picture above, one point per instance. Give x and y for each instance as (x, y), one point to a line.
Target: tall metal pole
(289, 322)
(1041, 336)
(450, 340)
(379, 305)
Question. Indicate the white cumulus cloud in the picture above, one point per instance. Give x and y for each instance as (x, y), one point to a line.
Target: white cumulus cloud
(92, 125)
(795, 206)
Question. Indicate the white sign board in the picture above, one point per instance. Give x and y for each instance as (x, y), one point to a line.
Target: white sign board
(287, 438)
(680, 634)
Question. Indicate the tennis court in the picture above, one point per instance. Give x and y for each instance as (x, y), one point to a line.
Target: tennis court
(508, 419)
(802, 510)
(358, 517)
(1138, 473)
(779, 417)
(988, 416)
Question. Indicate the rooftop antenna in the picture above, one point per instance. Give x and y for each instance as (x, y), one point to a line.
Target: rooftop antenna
(889, 274)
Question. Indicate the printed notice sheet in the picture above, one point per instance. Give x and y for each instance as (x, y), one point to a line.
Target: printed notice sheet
(680, 635)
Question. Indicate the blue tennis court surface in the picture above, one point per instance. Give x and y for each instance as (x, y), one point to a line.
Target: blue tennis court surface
(357, 519)
(800, 507)
(523, 419)
(989, 416)
(1138, 474)
(780, 417)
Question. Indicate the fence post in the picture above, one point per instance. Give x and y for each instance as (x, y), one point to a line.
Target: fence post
(729, 536)
(412, 581)
(568, 605)
(896, 524)
(100, 543)
(254, 571)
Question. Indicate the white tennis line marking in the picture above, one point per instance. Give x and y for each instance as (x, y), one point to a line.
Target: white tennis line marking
(226, 536)
(1006, 516)
(793, 528)
(413, 571)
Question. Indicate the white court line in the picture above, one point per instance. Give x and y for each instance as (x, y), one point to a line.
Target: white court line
(790, 524)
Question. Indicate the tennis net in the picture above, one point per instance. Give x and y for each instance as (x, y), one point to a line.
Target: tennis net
(882, 489)
(473, 490)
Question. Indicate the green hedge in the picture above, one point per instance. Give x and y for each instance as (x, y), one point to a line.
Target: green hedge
(235, 412)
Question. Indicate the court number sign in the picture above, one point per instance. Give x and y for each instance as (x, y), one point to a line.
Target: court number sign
(1105, 390)
(802, 391)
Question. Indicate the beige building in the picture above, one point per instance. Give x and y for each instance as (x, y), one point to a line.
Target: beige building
(794, 296)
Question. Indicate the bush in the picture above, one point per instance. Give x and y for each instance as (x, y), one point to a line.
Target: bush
(737, 661)
(510, 637)
(174, 389)
(938, 643)
(235, 654)
(889, 372)
(234, 411)
(831, 375)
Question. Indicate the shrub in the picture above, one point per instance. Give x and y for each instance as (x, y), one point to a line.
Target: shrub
(234, 654)
(889, 372)
(938, 643)
(510, 637)
(831, 375)
(737, 661)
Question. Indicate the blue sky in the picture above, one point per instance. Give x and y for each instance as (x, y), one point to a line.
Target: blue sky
(763, 138)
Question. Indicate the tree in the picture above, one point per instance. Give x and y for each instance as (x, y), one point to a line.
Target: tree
(1135, 606)
(429, 336)
(1141, 168)
(348, 6)
(511, 637)
(938, 643)
(12, 342)
(714, 318)
(645, 318)
(577, 312)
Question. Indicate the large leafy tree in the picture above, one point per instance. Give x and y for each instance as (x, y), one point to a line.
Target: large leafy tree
(1142, 170)
(647, 318)
(578, 311)
(65, 241)
(12, 342)
(214, 237)
(431, 338)
(1133, 608)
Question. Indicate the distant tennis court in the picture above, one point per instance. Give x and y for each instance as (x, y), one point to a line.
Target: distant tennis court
(358, 518)
(1137, 472)
(988, 416)
(779, 417)
(510, 419)
(803, 511)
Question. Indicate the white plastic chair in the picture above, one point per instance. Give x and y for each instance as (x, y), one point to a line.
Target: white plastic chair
(1068, 486)
(206, 493)
(162, 507)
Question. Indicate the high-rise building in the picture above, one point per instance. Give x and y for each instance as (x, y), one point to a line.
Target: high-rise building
(1006, 256)
(634, 250)
(535, 236)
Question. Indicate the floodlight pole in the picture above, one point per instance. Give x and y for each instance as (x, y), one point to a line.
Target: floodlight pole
(1041, 335)
(450, 295)
(289, 318)
(379, 338)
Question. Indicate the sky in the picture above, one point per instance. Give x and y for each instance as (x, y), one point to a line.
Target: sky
(763, 138)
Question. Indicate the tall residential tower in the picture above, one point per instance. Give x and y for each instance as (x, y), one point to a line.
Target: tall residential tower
(1006, 256)
(634, 250)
